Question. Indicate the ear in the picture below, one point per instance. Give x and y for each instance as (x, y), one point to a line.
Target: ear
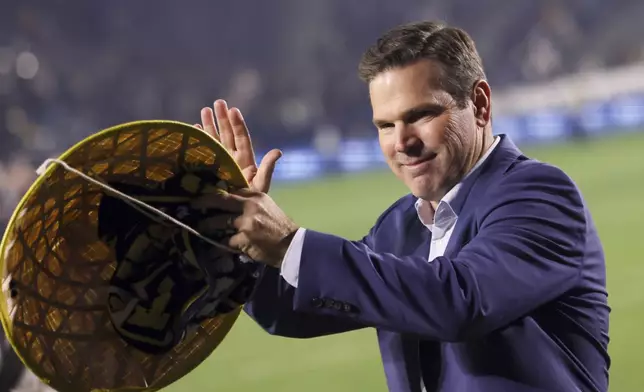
(482, 99)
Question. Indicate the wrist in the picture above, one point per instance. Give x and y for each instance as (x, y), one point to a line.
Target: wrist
(284, 245)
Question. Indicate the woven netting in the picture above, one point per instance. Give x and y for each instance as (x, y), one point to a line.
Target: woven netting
(56, 271)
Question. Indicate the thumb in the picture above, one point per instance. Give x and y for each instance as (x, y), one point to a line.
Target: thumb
(262, 180)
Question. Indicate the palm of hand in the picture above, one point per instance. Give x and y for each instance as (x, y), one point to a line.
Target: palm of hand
(230, 129)
(264, 232)
(249, 170)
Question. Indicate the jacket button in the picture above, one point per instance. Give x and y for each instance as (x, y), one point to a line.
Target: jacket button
(350, 308)
(317, 302)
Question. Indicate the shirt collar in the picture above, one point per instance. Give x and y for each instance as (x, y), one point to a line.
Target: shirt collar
(445, 215)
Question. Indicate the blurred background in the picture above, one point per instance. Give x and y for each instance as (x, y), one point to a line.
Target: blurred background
(568, 86)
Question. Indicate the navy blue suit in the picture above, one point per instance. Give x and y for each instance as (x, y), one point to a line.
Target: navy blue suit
(517, 303)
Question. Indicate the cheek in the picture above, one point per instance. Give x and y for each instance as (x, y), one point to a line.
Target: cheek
(387, 145)
(453, 141)
(457, 135)
(388, 148)
(442, 132)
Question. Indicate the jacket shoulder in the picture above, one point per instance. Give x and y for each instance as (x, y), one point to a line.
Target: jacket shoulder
(532, 175)
(532, 183)
(533, 169)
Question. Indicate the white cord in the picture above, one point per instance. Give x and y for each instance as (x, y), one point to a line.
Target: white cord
(134, 203)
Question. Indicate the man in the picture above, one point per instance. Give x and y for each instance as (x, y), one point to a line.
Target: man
(489, 276)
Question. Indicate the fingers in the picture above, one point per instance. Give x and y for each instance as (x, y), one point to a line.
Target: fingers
(245, 193)
(225, 127)
(241, 135)
(262, 180)
(229, 127)
(208, 121)
(239, 241)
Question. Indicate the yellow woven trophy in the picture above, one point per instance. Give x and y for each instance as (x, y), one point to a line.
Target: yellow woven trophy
(108, 282)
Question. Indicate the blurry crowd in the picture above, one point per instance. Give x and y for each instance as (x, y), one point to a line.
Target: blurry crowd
(71, 68)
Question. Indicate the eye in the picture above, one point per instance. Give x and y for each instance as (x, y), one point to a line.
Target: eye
(384, 126)
(421, 115)
(427, 112)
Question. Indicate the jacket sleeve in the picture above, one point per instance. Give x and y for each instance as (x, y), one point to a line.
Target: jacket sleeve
(272, 305)
(528, 251)
(272, 308)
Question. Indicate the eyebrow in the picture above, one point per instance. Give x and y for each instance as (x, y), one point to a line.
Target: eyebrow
(415, 113)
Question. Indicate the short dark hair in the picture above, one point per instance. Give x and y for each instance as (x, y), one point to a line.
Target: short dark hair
(450, 47)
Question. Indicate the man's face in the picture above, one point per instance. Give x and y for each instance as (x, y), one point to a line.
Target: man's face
(427, 140)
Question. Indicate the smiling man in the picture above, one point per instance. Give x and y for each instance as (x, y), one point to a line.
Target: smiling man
(488, 276)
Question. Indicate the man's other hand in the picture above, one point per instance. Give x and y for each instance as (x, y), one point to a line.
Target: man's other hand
(230, 129)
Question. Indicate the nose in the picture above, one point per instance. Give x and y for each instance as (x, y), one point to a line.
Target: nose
(406, 139)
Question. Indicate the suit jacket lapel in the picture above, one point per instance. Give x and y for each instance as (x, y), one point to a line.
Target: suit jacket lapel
(501, 159)
(416, 236)
(414, 239)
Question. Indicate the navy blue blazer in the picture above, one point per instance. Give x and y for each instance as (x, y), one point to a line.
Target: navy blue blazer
(517, 303)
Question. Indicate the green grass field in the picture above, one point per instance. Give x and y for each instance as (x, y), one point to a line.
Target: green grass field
(610, 173)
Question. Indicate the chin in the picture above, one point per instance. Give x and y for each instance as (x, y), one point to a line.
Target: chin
(424, 188)
(427, 196)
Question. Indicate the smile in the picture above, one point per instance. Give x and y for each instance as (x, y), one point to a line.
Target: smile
(419, 162)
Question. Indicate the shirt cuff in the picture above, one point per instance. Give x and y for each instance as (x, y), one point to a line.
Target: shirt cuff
(290, 269)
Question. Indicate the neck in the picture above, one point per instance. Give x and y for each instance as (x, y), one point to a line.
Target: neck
(481, 146)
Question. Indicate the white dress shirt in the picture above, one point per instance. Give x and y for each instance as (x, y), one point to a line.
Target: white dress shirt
(441, 223)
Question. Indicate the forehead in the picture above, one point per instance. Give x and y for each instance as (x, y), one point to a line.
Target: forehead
(402, 88)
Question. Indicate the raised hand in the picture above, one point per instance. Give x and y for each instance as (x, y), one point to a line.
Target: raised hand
(231, 130)
(264, 232)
